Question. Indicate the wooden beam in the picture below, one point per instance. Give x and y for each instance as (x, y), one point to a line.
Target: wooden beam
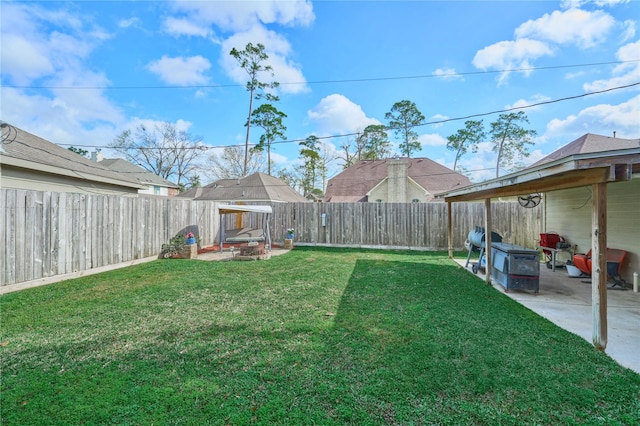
(599, 266)
(487, 238)
(606, 161)
(508, 187)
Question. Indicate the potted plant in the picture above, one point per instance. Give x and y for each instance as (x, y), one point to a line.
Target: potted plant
(291, 233)
(190, 238)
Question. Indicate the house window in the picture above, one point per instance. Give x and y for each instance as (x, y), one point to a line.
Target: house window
(378, 200)
(156, 190)
(415, 200)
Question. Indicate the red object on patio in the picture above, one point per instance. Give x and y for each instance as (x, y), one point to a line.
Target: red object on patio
(615, 257)
(551, 240)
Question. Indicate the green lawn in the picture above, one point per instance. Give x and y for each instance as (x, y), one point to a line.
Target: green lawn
(315, 336)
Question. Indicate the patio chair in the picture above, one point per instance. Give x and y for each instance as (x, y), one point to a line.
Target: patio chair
(615, 257)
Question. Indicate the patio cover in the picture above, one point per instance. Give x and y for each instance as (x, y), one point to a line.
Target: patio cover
(242, 208)
(595, 169)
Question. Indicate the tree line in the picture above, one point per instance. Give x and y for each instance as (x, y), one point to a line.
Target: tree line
(172, 153)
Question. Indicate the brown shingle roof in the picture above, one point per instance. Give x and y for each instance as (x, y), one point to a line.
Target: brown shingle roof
(255, 187)
(355, 182)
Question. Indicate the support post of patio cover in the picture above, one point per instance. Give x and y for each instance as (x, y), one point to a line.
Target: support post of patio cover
(450, 229)
(599, 265)
(487, 238)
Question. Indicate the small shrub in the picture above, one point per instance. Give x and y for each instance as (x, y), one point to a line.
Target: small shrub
(175, 247)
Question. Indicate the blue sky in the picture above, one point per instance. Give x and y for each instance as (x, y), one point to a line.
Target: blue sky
(79, 73)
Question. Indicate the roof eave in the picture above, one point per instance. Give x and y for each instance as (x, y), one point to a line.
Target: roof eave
(45, 168)
(568, 172)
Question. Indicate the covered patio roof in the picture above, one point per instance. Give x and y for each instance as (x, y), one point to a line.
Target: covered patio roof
(569, 172)
(595, 169)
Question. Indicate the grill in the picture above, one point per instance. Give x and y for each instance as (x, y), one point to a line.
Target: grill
(515, 267)
(476, 242)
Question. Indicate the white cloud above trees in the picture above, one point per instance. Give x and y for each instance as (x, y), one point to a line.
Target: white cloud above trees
(601, 119)
(574, 26)
(336, 114)
(544, 36)
(180, 70)
(234, 24)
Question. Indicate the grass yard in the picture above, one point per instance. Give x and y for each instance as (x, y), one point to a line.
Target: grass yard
(315, 336)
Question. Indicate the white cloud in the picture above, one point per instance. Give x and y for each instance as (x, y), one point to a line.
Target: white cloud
(481, 166)
(181, 71)
(24, 60)
(574, 26)
(83, 118)
(432, 139)
(535, 99)
(127, 23)
(601, 119)
(510, 55)
(53, 47)
(629, 30)
(541, 37)
(241, 16)
(568, 4)
(277, 48)
(575, 75)
(180, 124)
(436, 118)
(336, 114)
(183, 26)
(623, 74)
(448, 74)
(279, 159)
(41, 43)
(247, 22)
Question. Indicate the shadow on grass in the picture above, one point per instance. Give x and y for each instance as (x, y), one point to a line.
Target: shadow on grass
(430, 343)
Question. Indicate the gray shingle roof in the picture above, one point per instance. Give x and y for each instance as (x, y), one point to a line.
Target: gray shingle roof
(255, 187)
(33, 152)
(141, 175)
(355, 182)
(588, 144)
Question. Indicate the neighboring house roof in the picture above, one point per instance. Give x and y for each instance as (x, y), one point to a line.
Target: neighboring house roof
(587, 144)
(252, 188)
(314, 197)
(353, 184)
(141, 175)
(587, 160)
(31, 152)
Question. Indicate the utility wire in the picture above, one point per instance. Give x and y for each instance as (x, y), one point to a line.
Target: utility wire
(354, 80)
(391, 128)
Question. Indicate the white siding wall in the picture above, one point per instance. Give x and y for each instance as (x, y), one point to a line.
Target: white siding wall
(568, 213)
(384, 192)
(31, 180)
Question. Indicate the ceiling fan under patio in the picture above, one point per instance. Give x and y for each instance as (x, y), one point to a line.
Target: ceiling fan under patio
(530, 201)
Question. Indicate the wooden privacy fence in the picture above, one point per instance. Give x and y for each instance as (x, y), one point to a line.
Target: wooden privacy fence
(45, 234)
(401, 225)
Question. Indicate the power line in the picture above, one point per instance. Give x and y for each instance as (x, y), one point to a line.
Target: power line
(354, 80)
(485, 113)
(583, 95)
